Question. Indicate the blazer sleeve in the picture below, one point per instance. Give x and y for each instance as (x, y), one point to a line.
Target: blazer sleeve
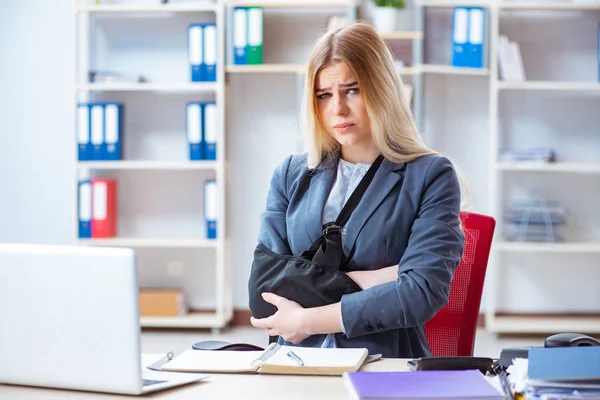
(434, 250)
(273, 231)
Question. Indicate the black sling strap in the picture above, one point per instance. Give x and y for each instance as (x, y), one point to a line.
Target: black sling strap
(328, 250)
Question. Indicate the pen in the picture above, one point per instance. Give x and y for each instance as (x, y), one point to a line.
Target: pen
(295, 358)
(506, 386)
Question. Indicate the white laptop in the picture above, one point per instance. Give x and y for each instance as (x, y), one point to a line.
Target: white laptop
(69, 318)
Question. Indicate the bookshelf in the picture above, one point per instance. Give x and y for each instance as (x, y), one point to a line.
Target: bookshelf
(154, 147)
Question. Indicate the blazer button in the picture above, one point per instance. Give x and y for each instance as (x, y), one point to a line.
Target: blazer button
(368, 328)
(380, 325)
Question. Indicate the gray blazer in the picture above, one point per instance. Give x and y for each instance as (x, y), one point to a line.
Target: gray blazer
(409, 216)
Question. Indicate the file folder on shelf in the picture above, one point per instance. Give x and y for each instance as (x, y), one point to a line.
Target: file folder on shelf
(84, 145)
(460, 36)
(209, 131)
(195, 52)
(104, 208)
(97, 130)
(210, 208)
(240, 35)
(85, 209)
(476, 46)
(255, 35)
(194, 130)
(112, 131)
(209, 65)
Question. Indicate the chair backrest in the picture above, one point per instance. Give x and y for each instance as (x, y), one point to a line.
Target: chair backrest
(451, 332)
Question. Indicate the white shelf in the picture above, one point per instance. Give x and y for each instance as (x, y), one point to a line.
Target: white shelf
(452, 4)
(548, 5)
(549, 85)
(151, 242)
(546, 324)
(450, 70)
(191, 320)
(188, 87)
(149, 165)
(409, 70)
(569, 167)
(291, 3)
(266, 68)
(402, 35)
(529, 247)
(128, 8)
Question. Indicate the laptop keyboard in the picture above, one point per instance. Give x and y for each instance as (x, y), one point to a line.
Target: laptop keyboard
(148, 382)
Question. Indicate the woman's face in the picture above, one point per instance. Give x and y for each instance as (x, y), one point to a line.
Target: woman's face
(340, 105)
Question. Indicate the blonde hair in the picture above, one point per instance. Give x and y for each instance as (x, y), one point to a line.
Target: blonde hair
(393, 128)
(394, 131)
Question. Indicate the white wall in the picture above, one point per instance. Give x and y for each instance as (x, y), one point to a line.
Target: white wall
(36, 155)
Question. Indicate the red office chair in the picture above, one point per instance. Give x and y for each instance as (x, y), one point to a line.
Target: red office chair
(451, 332)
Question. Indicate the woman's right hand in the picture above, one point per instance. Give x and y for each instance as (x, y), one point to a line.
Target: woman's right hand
(368, 279)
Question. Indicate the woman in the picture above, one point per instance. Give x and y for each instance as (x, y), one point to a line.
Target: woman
(402, 242)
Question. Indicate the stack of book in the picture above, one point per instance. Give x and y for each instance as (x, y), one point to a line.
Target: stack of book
(534, 221)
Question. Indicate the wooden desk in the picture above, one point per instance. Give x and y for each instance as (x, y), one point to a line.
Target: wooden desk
(222, 387)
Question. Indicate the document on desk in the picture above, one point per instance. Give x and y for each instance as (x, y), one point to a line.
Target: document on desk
(275, 359)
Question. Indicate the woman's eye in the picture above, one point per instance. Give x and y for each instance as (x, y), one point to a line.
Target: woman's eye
(354, 90)
(323, 96)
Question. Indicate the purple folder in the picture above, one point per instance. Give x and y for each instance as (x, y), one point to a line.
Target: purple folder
(466, 384)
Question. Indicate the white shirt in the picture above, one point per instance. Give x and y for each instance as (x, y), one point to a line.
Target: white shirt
(347, 178)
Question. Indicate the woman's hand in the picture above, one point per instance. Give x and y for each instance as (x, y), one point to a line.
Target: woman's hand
(287, 322)
(368, 279)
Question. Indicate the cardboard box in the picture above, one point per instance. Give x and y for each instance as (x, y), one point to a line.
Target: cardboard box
(162, 303)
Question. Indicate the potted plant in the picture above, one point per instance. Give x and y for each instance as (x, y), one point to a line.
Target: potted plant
(384, 14)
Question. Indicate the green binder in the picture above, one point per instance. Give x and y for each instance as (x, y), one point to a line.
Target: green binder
(254, 48)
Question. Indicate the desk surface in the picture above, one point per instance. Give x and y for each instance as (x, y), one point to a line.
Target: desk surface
(222, 386)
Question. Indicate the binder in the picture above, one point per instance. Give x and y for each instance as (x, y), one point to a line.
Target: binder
(85, 209)
(240, 35)
(195, 52)
(210, 53)
(460, 30)
(97, 130)
(476, 37)
(194, 130)
(112, 131)
(84, 145)
(210, 208)
(104, 208)
(209, 131)
(254, 49)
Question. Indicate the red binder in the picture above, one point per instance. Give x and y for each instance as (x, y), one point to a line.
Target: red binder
(104, 208)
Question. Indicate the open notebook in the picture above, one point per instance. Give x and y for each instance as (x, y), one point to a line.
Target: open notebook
(275, 359)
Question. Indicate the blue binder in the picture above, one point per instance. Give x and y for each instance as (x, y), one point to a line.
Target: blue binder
(84, 213)
(193, 127)
(460, 42)
(240, 35)
(97, 130)
(476, 46)
(210, 53)
(112, 131)
(209, 130)
(84, 145)
(195, 52)
(210, 208)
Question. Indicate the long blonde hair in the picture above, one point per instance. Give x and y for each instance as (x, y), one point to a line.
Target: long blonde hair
(394, 131)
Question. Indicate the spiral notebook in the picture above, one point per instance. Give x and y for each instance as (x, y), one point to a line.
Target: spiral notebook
(275, 359)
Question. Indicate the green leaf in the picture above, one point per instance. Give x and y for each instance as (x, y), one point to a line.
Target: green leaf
(390, 3)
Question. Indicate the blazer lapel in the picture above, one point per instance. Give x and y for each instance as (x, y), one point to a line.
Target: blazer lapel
(318, 192)
(386, 177)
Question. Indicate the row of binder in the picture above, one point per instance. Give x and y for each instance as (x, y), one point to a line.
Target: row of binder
(97, 208)
(202, 52)
(99, 127)
(201, 130)
(468, 37)
(248, 35)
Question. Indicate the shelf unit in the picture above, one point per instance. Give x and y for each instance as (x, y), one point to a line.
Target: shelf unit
(84, 14)
(498, 172)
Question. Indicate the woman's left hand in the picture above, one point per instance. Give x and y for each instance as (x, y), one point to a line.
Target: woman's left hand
(287, 322)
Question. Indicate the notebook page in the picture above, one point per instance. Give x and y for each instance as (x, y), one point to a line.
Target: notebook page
(316, 360)
(213, 361)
